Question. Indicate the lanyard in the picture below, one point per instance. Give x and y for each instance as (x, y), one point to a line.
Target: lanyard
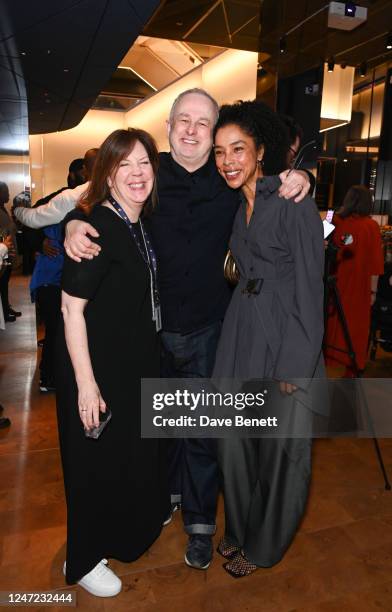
(150, 259)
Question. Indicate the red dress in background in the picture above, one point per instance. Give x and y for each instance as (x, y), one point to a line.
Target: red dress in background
(355, 265)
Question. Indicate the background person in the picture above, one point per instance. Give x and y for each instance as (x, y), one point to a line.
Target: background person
(296, 134)
(116, 486)
(46, 278)
(273, 332)
(54, 208)
(357, 268)
(76, 173)
(4, 246)
(7, 228)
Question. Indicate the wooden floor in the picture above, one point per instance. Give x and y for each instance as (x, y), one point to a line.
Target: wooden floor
(341, 559)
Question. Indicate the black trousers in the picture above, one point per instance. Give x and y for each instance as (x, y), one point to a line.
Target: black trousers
(193, 468)
(49, 303)
(265, 487)
(4, 280)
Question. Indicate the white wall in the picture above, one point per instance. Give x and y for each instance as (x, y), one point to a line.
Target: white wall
(228, 77)
(14, 170)
(51, 154)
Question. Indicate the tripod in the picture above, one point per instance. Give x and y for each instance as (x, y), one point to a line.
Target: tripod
(332, 291)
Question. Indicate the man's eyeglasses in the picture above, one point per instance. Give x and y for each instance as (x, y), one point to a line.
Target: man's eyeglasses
(294, 152)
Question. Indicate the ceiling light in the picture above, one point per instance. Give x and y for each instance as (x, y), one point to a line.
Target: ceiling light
(337, 97)
(345, 160)
(23, 53)
(283, 44)
(65, 69)
(388, 43)
(363, 69)
(331, 64)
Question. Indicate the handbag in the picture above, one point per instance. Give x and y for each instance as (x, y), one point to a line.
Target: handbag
(230, 270)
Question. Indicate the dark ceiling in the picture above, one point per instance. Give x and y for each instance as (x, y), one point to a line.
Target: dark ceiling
(235, 23)
(228, 23)
(57, 56)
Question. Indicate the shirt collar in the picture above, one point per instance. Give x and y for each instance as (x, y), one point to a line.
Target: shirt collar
(266, 186)
(204, 171)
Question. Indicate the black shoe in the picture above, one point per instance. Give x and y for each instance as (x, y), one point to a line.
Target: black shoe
(174, 507)
(46, 385)
(16, 313)
(199, 551)
(9, 318)
(4, 422)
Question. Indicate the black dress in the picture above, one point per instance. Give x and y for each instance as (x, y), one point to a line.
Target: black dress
(116, 486)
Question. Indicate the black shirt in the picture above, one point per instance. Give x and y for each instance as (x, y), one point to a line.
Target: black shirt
(190, 230)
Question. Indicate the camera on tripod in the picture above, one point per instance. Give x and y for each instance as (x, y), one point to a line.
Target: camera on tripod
(332, 249)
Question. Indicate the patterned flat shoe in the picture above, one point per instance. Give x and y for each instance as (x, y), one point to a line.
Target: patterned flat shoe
(239, 566)
(227, 550)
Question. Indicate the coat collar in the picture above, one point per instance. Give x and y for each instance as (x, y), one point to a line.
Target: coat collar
(265, 186)
(268, 185)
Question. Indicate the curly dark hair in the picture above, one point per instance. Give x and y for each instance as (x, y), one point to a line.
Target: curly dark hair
(262, 124)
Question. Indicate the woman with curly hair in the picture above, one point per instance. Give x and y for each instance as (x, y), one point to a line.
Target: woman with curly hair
(273, 329)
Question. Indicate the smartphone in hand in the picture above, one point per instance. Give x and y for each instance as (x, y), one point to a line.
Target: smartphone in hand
(95, 432)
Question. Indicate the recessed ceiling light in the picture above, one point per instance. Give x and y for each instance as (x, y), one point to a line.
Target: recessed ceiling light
(179, 23)
(65, 69)
(388, 43)
(350, 9)
(23, 53)
(363, 69)
(48, 52)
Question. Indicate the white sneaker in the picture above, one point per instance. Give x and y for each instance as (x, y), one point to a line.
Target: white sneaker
(101, 581)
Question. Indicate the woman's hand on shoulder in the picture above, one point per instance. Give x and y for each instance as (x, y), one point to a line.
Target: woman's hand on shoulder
(295, 184)
(90, 402)
(77, 245)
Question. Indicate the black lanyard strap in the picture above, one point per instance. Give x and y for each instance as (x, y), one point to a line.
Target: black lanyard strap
(149, 258)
